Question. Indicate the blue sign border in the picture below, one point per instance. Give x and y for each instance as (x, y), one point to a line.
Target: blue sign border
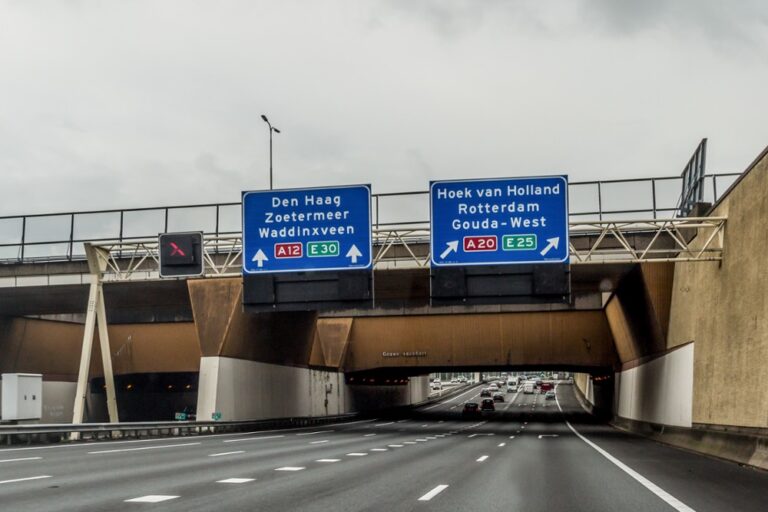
(368, 266)
(435, 264)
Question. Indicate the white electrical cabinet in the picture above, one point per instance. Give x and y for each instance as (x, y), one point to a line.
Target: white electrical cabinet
(22, 396)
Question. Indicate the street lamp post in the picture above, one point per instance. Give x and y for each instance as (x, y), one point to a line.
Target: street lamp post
(271, 129)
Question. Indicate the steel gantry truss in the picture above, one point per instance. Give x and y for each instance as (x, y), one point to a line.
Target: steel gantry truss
(655, 240)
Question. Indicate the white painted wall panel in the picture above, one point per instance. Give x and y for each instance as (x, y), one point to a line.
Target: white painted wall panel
(660, 391)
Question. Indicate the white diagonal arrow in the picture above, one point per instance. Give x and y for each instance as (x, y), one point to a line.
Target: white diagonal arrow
(354, 253)
(260, 258)
(552, 243)
(452, 247)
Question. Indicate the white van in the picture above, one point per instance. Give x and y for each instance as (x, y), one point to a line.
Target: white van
(528, 387)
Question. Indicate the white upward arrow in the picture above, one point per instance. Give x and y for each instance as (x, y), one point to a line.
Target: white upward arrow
(552, 242)
(354, 253)
(452, 247)
(260, 258)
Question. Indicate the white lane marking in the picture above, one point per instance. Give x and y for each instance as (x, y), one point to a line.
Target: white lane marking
(167, 440)
(328, 460)
(542, 436)
(502, 445)
(235, 480)
(143, 448)
(432, 438)
(260, 438)
(319, 442)
(655, 489)
(384, 424)
(473, 435)
(313, 433)
(225, 453)
(409, 442)
(356, 454)
(151, 498)
(23, 479)
(379, 450)
(423, 426)
(395, 445)
(511, 437)
(369, 435)
(290, 468)
(482, 459)
(20, 460)
(421, 440)
(434, 492)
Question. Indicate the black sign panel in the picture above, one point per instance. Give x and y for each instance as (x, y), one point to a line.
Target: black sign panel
(181, 254)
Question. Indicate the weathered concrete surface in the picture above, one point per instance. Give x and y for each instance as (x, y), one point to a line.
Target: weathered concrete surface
(723, 309)
(576, 338)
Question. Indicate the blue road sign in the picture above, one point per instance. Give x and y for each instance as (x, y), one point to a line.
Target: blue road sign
(499, 221)
(309, 229)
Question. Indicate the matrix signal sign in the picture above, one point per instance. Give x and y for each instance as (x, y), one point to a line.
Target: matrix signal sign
(307, 229)
(181, 254)
(499, 221)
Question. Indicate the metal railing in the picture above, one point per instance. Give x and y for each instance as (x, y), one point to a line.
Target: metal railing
(95, 431)
(60, 236)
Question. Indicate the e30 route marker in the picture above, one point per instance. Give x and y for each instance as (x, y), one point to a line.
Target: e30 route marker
(499, 221)
(299, 230)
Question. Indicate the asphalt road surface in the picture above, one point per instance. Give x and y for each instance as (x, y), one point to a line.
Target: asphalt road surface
(532, 454)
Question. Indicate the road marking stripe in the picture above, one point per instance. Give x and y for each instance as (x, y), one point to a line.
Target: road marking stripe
(379, 450)
(235, 480)
(511, 437)
(313, 433)
(356, 454)
(328, 460)
(409, 442)
(434, 492)
(225, 453)
(384, 424)
(143, 448)
(24, 479)
(369, 435)
(319, 442)
(19, 460)
(290, 468)
(482, 459)
(395, 445)
(151, 498)
(502, 445)
(655, 489)
(260, 438)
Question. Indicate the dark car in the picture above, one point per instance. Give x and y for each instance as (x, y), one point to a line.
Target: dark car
(550, 395)
(487, 405)
(498, 397)
(471, 409)
(485, 392)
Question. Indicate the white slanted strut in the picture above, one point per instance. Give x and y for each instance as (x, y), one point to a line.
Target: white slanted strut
(97, 263)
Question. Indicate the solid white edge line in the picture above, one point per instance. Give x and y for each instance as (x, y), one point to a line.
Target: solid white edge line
(24, 479)
(143, 448)
(434, 492)
(655, 489)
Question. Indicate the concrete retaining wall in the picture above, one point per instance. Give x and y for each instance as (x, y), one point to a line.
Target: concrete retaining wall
(242, 390)
(659, 391)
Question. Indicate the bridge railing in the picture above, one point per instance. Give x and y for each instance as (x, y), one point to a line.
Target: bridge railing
(60, 236)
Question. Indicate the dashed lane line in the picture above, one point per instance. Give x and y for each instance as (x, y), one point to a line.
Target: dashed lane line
(259, 438)
(24, 479)
(291, 468)
(482, 459)
(151, 498)
(315, 433)
(328, 460)
(226, 453)
(434, 492)
(235, 480)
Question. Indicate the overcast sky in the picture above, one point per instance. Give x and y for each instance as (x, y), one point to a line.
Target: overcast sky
(126, 104)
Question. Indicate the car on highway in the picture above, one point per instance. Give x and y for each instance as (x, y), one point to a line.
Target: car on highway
(550, 395)
(512, 388)
(493, 387)
(498, 397)
(487, 405)
(436, 386)
(485, 392)
(471, 409)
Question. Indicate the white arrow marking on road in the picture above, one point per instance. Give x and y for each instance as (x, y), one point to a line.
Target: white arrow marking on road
(260, 257)
(551, 243)
(452, 247)
(354, 253)
(547, 435)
